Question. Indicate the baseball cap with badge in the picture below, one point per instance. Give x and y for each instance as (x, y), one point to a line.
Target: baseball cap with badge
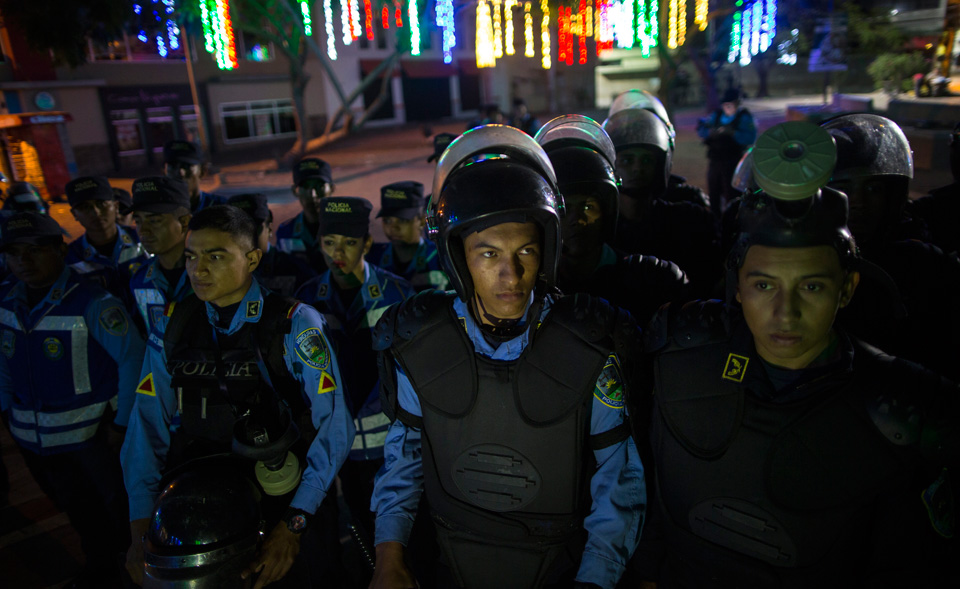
(310, 168)
(401, 199)
(345, 215)
(186, 152)
(159, 194)
(440, 143)
(88, 188)
(253, 204)
(30, 227)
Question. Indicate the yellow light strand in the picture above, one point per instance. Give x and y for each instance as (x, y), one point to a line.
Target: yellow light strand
(682, 23)
(528, 51)
(497, 29)
(545, 35)
(700, 14)
(589, 21)
(672, 24)
(484, 43)
(508, 6)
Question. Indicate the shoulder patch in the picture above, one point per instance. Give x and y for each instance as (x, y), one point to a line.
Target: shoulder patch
(736, 368)
(609, 390)
(253, 309)
(146, 386)
(114, 320)
(374, 290)
(327, 384)
(312, 348)
(323, 290)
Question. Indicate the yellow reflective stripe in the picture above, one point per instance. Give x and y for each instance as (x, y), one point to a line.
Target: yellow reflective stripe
(78, 347)
(369, 441)
(71, 437)
(24, 415)
(62, 418)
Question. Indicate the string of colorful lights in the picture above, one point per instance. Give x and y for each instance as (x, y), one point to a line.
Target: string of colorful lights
(622, 23)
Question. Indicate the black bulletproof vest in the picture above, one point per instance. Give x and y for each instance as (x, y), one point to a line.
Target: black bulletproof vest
(757, 493)
(504, 443)
(219, 379)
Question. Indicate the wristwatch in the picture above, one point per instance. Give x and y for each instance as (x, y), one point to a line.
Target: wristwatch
(297, 520)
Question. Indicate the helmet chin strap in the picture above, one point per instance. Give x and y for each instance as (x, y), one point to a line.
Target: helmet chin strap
(502, 329)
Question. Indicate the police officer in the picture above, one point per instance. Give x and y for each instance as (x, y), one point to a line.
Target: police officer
(184, 160)
(23, 197)
(69, 362)
(279, 271)
(788, 453)
(681, 232)
(874, 168)
(678, 190)
(105, 248)
(583, 157)
(408, 254)
(940, 209)
(237, 366)
(352, 296)
(124, 202)
(312, 181)
(727, 133)
(502, 382)
(161, 210)
(440, 143)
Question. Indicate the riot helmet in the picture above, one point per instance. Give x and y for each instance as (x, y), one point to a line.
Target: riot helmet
(874, 168)
(490, 175)
(633, 129)
(645, 100)
(793, 207)
(205, 527)
(743, 175)
(584, 159)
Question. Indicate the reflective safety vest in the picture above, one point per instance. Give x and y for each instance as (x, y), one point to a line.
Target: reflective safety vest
(62, 378)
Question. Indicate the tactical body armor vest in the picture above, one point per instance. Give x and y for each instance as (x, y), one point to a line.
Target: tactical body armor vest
(220, 378)
(505, 444)
(761, 493)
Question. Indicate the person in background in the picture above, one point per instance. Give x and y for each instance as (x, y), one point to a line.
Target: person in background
(312, 181)
(184, 160)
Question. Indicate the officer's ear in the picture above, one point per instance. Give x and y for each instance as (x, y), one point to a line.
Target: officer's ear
(367, 244)
(73, 212)
(331, 187)
(849, 286)
(184, 221)
(253, 259)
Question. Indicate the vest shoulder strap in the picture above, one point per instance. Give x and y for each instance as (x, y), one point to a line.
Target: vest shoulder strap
(184, 313)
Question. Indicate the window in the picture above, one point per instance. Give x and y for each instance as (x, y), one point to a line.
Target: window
(254, 121)
(126, 130)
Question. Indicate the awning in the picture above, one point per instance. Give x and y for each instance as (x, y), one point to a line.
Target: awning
(34, 118)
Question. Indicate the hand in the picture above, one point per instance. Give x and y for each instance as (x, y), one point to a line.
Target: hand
(275, 557)
(134, 562)
(391, 571)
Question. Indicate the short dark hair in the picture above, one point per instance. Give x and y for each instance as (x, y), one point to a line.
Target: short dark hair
(228, 219)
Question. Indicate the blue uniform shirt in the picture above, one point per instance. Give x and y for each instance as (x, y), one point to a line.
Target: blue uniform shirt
(350, 330)
(151, 293)
(617, 487)
(155, 413)
(294, 237)
(63, 361)
(127, 256)
(423, 272)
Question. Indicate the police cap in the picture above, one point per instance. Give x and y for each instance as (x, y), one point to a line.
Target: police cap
(254, 204)
(401, 199)
(345, 215)
(88, 188)
(29, 227)
(182, 152)
(160, 194)
(311, 167)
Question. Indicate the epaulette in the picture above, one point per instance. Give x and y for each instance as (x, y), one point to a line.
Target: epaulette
(406, 319)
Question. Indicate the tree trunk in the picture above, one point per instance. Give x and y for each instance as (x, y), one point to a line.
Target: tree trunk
(298, 85)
